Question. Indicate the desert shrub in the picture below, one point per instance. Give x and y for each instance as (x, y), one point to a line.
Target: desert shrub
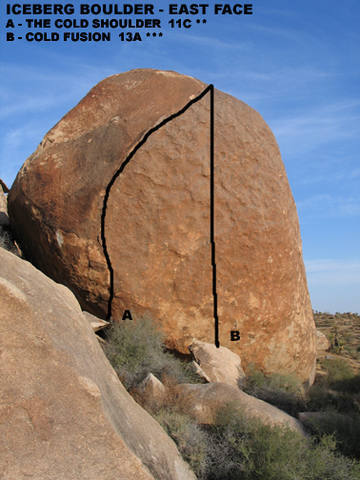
(236, 448)
(337, 370)
(340, 376)
(337, 390)
(5, 240)
(345, 429)
(249, 450)
(283, 391)
(322, 398)
(135, 348)
(348, 385)
(191, 440)
(337, 340)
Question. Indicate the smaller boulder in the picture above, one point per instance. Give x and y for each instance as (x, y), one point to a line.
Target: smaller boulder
(203, 402)
(218, 364)
(151, 393)
(322, 343)
(151, 387)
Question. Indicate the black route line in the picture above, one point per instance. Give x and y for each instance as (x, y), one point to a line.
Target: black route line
(212, 214)
(209, 88)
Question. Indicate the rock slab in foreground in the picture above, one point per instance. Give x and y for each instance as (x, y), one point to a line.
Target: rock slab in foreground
(158, 216)
(204, 401)
(64, 414)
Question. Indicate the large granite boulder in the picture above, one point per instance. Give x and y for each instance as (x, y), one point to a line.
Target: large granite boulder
(64, 415)
(153, 202)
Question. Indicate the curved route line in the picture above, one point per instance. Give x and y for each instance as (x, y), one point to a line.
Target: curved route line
(209, 88)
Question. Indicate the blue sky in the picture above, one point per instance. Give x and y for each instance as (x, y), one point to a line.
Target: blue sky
(296, 62)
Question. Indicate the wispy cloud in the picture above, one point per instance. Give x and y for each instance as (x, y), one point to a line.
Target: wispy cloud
(38, 103)
(294, 35)
(324, 124)
(209, 42)
(334, 272)
(334, 284)
(332, 177)
(329, 206)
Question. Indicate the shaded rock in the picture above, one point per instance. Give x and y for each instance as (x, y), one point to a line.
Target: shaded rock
(4, 219)
(6, 238)
(95, 322)
(64, 414)
(203, 401)
(157, 217)
(322, 343)
(219, 364)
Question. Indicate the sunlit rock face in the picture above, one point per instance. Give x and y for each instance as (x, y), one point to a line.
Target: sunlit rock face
(157, 217)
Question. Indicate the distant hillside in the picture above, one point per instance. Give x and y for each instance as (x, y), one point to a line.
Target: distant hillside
(343, 331)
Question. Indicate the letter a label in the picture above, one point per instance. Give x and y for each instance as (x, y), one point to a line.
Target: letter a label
(127, 315)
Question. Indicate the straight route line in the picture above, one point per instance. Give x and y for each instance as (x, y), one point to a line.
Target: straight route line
(209, 88)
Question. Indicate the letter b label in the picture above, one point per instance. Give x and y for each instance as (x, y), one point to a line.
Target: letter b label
(234, 335)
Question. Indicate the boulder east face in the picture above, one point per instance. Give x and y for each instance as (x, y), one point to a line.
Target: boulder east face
(157, 218)
(64, 415)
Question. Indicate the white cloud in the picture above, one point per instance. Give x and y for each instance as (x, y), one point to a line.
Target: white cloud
(334, 284)
(208, 42)
(329, 206)
(328, 177)
(348, 269)
(35, 104)
(318, 126)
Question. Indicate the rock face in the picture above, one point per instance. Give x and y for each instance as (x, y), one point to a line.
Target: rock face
(203, 402)
(322, 343)
(219, 364)
(64, 414)
(4, 219)
(157, 217)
